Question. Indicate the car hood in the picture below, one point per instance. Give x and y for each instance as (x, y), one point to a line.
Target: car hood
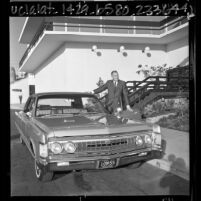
(89, 124)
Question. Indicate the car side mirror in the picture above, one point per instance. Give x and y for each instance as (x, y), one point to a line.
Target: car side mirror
(18, 112)
(28, 114)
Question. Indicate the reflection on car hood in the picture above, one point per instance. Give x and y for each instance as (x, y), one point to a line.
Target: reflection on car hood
(81, 121)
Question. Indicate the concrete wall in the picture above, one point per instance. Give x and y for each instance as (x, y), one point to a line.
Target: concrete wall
(20, 84)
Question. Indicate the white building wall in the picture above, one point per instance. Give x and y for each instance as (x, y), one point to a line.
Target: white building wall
(94, 66)
(178, 52)
(14, 95)
(74, 67)
(51, 75)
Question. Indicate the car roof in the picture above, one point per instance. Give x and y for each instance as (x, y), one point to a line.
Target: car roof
(62, 93)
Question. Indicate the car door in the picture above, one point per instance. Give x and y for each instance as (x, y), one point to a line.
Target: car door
(28, 115)
(20, 120)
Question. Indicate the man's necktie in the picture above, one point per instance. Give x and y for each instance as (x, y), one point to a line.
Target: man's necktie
(115, 88)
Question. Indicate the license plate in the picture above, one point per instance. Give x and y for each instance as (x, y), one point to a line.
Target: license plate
(107, 163)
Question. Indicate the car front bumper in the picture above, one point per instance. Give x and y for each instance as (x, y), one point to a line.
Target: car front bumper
(91, 164)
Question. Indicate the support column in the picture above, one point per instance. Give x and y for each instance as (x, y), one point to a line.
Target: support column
(31, 83)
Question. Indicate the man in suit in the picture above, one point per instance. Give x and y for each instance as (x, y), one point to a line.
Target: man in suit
(116, 91)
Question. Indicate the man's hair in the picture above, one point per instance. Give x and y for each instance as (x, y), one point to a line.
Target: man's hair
(114, 71)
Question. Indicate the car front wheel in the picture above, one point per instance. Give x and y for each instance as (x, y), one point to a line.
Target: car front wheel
(42, 173)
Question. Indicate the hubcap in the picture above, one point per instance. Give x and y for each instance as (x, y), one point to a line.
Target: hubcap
(37, 170)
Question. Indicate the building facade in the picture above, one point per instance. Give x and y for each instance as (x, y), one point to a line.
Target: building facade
(71, 53)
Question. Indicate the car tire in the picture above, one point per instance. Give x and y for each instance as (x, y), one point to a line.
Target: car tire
(21, 140)
(42, 173)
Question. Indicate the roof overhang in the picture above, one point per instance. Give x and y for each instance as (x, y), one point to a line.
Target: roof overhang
(32, 24)
(30, 28)
(52, 40)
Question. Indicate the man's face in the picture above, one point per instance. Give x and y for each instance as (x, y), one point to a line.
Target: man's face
(115, 76)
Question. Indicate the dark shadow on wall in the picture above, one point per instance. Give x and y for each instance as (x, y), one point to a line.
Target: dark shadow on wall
(125, 54)
(99, 54)
(176, 184)
(148, 54)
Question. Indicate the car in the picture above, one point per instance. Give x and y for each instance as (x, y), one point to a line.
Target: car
(71, 131)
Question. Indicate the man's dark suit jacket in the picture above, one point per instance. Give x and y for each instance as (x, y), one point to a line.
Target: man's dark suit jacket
(115, 94)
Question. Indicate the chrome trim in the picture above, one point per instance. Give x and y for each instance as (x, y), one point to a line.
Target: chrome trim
(105, 145)
(60, 158)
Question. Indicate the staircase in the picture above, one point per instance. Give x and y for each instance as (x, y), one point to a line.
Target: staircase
(174, 84)
(154, 88)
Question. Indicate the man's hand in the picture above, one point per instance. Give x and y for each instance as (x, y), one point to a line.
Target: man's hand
(129, 108)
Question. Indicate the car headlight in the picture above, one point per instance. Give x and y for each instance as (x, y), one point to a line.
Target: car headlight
(139, 141)
(156, 128)
(69, 147)
(56, 147)
(148, 139)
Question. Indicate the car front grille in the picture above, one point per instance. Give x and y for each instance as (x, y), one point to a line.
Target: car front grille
(104, 145)
(109, 145)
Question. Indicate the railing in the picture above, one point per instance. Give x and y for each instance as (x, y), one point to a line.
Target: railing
(159, 86)
(140, 89)
(102, 29)
(138, 84)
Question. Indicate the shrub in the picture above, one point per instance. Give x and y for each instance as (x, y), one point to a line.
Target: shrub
(147, 71)
(175, 122)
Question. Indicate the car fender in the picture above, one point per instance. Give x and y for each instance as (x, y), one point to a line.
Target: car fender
(34, 150)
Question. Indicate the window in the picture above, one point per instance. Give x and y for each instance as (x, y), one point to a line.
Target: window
(65, 104)
(30, 105)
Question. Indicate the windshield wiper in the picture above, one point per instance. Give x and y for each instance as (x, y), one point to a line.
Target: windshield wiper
(46, 115)
(77, 113)
(74, 114)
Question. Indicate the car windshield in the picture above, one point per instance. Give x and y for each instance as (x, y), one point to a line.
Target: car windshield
(68, 104)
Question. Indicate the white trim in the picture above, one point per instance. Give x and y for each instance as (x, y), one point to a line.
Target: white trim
(116, 34)
(33, 48)
(134, 30)
(101, 26)
(25, 23)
